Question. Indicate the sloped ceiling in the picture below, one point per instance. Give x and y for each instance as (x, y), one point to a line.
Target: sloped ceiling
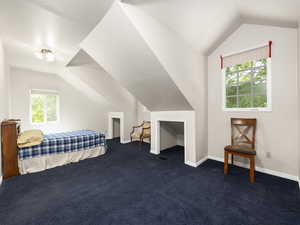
(81, 11)
(204, 24)
(135, 68)
(62, 24)
(56, 24)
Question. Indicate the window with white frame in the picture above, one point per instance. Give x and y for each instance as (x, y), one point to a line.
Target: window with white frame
(44, 107)
(247, 82)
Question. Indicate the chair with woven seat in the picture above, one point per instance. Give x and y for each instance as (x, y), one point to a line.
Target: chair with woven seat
(141, 132)
(242, 143)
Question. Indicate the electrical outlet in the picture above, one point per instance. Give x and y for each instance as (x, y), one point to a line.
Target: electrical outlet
(268, 155)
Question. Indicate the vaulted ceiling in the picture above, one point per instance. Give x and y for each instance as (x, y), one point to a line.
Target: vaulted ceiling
(62, 24)
(59, 25)
(206, 23)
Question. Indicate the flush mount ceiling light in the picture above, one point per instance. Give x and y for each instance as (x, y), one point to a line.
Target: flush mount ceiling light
(45, 54)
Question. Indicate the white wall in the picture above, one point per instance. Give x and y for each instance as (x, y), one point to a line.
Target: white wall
(143, 114)
(3, 94)
(299, 98)
(3, 85)
(277, 131)
(180, 139)
(185, 66)
(97, 84)
(77, 110)
(168, 137)
(171, 134)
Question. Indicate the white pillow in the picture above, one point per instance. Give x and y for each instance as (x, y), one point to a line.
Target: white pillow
(30, 138)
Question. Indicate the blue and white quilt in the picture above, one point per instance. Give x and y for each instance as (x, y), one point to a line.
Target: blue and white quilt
(63, 143)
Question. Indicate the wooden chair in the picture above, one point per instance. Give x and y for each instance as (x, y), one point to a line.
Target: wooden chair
(242, 143)
(141, 132)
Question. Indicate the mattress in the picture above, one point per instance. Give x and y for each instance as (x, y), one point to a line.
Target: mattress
(37, 164)
(66, 142)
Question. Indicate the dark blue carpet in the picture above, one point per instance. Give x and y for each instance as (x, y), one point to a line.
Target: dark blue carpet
(129, 186)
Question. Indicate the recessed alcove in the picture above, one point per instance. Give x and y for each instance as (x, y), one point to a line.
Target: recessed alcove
(166, 124)
(171, 136)
(116, 127)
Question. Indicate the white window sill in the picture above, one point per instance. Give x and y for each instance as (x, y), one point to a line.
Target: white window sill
(45, 123)
(247, 109)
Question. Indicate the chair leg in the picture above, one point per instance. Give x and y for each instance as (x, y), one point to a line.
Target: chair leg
(225, 162)
(252, 169)
(232, 159)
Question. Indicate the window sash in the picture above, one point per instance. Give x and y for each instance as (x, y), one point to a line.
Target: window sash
(252, 93)
(44, 94)
(240, 71)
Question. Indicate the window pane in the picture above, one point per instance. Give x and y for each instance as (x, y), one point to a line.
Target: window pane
(37, 108)
(51, 108)
(244, 66)
(245, 76)
(260, 89)
(231, 90)
(230, 69)
(231, 102)
(260, 74)
(245, 102)
(231, 79)
(261, 62)
(260, 101)
(245, 89)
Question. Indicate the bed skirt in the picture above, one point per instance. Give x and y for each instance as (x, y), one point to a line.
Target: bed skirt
(37, 164)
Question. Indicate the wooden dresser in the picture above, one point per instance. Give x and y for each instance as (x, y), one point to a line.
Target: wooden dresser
(9, 133)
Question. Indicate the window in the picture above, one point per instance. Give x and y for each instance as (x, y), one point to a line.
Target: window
(44, 106)
(247, 80)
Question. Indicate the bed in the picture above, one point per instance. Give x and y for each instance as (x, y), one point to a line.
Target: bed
(61, 149)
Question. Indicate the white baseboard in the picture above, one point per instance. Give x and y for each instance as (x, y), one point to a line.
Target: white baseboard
(263, 170)
(153, 152)
(190, 164)
(122, 142)
(196, 164)
(126, 142)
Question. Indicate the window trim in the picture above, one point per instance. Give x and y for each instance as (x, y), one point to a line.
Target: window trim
(45, 122)
(269, 93)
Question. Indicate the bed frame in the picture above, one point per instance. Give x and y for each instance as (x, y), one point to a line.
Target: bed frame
(10, 130)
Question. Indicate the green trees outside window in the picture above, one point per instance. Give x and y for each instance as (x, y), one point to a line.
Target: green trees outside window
(246, 85)
(44, 107)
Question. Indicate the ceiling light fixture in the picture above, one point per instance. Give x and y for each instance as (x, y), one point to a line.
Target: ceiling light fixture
(45, 54)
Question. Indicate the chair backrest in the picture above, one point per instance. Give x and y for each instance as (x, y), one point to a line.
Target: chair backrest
(146, 128)
(243, 132)
(146, 124)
